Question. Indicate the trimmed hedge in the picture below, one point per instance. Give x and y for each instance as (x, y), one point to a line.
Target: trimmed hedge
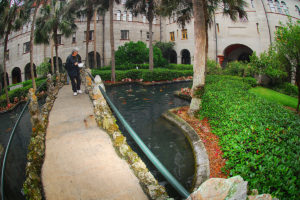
(159, 74)
(260, 139)
(21, 91)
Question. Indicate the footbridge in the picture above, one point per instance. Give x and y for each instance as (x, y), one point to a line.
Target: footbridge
(81, 160)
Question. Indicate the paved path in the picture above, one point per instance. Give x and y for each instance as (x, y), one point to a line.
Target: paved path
(80, 161)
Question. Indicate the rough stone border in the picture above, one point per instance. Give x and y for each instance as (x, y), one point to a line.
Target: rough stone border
(106, 120)
(201, 158)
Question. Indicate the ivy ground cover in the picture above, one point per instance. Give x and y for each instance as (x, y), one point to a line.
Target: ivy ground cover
(259, 138)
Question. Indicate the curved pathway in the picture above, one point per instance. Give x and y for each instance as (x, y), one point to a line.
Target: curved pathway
(80, 161)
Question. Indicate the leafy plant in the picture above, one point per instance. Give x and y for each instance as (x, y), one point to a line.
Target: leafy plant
(213, 67)
(44, 68)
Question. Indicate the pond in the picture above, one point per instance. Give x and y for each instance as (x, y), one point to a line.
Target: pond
(142, 107)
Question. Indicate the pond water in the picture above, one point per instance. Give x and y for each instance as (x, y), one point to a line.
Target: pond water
(142, 107)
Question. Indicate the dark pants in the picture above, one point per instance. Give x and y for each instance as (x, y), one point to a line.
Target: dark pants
(75, 81)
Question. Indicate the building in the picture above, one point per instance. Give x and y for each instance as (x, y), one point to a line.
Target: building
(228, 40)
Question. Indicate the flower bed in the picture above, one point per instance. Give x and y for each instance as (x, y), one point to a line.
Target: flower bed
(260, 139)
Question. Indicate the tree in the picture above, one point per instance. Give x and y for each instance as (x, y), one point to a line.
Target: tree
(287, 44)
(112, 39)
(166, 48)
(203, 12)
(12, 15)
(147, 8)
(56, 17)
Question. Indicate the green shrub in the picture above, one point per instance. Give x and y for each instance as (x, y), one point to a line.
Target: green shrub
(236, 68)
(138, 53)
(44, 68)
(260, 139)
(213, 67)
(158, 74)
(287, 88)
(180, 66)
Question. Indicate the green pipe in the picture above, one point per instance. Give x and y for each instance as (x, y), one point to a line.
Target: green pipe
(9, 142)
(162, 169)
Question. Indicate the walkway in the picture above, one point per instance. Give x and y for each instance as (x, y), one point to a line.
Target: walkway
(80, 161)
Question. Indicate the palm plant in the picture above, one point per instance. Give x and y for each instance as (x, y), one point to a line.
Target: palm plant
(112, 40)
(203, 12)
(56, 17)
(148, 8)
(12, 16)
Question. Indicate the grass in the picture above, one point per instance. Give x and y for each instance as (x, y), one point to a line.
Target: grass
(274, 96)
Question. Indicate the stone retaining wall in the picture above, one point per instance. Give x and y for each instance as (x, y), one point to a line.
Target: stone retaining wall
(106, 120)
(201, 158)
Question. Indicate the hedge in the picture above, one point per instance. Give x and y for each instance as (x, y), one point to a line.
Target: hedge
(21, 91)
(158, 74)
(260, 139)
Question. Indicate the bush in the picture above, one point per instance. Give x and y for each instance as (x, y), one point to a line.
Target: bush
(180, 66)
(213, 67)
(158, 74)
(287, 88)
(260, 139)
(236, 68)
(44, 68)
(138, 53)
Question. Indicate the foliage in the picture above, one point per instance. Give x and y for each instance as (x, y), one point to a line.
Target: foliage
(166, 48)
(237, 68)
(260, 139)
(268, 63)
(287, 88)
(138, 53)
(274, 96)
(180, 66)
(213, 67)
(158, 74)
(44, 68)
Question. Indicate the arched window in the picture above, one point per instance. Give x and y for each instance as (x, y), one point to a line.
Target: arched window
(297, 10)
(118, 15)
(278, 6)
(130, 16)
(124, 16)
(285, 8)
(272, 7)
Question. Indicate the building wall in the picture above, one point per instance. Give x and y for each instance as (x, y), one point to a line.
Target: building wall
(224, 35)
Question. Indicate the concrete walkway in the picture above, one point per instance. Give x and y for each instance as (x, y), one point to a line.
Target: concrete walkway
(80, 161)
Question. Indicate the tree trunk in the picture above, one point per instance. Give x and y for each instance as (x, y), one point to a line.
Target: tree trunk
(52, 61)
(103, 41)
(112, 42)
(31, 48)
(199, 53)
(87, 40)
(56, 52)
(95, 36)
(150, 46)
(4, 66)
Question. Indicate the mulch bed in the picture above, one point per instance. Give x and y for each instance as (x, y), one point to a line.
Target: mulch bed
(210, 141)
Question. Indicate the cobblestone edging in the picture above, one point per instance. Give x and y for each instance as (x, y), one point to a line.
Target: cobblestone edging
(106, 120)
(32, 186)
(201, 158)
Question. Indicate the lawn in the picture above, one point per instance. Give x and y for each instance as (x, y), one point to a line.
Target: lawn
(274, 96)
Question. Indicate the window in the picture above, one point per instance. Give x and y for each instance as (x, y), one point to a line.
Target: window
(90, 35)
(257, 28)
(123, 1)
(130, 17)
(172, 36)
(74, 38)
(59, 39)
(124, 15)
(118, 15)
(278, 6)
(144, 19)
(252, 3)
(148, 35)
(184, 34)
(271, 4)
(7, 54)
(154, 20)
(124, 34)
(285, 8)
(297, 10)
(26, 46)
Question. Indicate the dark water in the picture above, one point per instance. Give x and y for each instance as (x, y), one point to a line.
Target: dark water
(17, 155)
(142, 107)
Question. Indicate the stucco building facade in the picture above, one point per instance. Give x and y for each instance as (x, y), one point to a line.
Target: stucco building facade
(227, 40)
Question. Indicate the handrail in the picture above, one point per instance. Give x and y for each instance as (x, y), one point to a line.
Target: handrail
(12, 134)
(161, 168)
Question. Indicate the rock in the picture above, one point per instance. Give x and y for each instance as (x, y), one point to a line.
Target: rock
(234, 188)
(260, 197)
